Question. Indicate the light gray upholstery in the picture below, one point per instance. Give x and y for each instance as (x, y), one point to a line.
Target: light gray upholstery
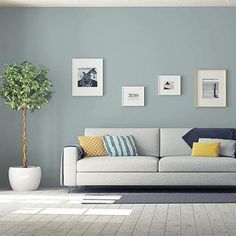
(156, 179)
(227, 147)
(171, 142)
(146, 139)
(70, 160)
(197, 164)
(118, 164)
(177, 168)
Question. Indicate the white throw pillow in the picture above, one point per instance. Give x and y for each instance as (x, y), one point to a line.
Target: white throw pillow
(227, 146)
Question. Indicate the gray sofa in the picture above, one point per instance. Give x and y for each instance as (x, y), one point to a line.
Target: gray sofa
(165, 160)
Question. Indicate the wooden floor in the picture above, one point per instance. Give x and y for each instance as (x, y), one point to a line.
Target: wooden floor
(55, 212)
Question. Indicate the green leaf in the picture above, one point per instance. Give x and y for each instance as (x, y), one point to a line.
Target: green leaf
(25, 86)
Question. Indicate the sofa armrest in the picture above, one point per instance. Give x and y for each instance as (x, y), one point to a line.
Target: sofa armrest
(71, 156)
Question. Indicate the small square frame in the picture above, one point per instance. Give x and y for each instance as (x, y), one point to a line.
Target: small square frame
(169, 85)
(133, 96)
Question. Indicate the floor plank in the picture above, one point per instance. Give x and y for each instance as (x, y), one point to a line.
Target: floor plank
(203, 225)
(158, 223)
(188, 224)
(228, 217)
(173, 220)
(130, 222)
(115, 222)
(144, 221)
(22, 215)
(217, 224)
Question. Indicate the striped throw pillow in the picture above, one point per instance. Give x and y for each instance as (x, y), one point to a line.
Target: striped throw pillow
(120, 145)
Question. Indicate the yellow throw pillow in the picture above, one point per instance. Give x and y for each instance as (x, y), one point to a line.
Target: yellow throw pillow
(206, 149)
(92, 145)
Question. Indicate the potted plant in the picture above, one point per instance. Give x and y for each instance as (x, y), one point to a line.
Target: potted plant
(25, 88)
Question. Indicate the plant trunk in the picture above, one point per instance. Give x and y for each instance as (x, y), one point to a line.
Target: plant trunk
(24, 138)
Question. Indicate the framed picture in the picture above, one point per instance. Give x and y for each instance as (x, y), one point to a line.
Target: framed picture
(211, 88)
(133, 96)
(169, 85)
(87, 77)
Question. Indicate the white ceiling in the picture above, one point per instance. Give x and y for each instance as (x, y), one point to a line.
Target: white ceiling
(114, 3)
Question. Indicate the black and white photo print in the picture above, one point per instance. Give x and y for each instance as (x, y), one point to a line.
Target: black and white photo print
(87, 77)
(133, 96)
(211, 88)
(169, 85)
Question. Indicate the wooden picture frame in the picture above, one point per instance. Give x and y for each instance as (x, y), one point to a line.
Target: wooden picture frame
(210, 88)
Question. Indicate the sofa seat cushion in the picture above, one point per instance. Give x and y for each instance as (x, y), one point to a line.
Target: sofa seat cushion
(197, 164)
(118, 164)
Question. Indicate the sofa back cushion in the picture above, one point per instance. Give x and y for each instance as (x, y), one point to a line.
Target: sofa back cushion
(146, 139)
(172, 144)
(227, 146)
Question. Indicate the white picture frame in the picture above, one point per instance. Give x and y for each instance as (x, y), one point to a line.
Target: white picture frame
(210, 88)
(133, 96)
(87, 77)
(169, 85)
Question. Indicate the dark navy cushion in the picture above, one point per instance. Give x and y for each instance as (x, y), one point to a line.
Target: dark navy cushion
(221, 133)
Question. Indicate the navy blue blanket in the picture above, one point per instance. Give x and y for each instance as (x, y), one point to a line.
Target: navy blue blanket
(222, 133)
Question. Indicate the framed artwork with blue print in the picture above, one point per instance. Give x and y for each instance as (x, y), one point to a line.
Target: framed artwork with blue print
(87, 77)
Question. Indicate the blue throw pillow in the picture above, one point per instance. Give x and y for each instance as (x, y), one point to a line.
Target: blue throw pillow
(120, 145)
(220, 133)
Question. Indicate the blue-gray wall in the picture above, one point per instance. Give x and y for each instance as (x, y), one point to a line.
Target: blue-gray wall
(137, 45)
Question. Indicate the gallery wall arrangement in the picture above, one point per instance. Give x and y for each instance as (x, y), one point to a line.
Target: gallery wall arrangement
(210, 85)
(147, 57)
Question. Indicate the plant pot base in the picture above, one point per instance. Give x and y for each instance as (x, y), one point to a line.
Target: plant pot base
(24, 179)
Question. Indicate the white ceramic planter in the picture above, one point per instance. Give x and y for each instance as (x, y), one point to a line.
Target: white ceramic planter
(24, 179)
